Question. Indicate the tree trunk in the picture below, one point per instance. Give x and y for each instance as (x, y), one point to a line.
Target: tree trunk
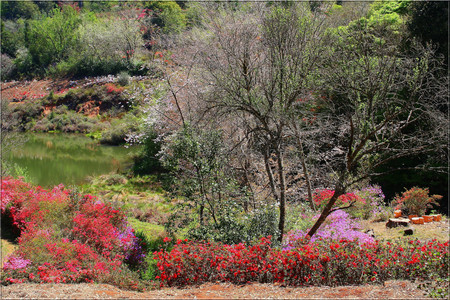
(270, 174)
(308, 182)
(338, 191)
(246, 166)
(202, 207)
(305, 169)
(282, 195)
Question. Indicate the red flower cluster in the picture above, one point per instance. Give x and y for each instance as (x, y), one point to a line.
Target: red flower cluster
(320, 263)
(112, 88)
(321, 198)
(64, 237)
(416, 201)
(27, 95)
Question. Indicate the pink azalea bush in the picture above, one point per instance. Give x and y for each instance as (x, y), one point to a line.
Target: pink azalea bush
(16, 262)
(338, 225)
(66, 237)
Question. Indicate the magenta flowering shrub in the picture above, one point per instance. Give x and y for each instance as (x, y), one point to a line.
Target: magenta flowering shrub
(338, 225)
(65, 237)
(341, 262)
(15, 262)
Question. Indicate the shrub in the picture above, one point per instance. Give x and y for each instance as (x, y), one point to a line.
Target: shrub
(24, 114)
(66, 237)
(337, 226)
(321, 198)
(62, 119)
(321, 263)
(372, 204)
(111, 88)
(415, 201)
(151, 271)
(7, 67)
(88, 66)
(167, 15)
(299, 217)
(147, 162)
(114, 179)
(43, 125)
(383, 214)
(123, 78)
(262, 221)
(148, 270)
(232, 224)
(117, 133)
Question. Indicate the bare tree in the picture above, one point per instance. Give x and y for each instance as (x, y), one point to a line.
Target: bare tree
(260, 66)
(350, 99)
(112, 38)
(380, 104)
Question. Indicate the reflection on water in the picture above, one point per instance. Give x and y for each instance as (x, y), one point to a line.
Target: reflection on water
(51, 159)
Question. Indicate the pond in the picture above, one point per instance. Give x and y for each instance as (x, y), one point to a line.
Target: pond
(53, 158)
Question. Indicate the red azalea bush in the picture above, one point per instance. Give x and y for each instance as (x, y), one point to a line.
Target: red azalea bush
(66, 237)
(112, 88)
(321, 198)
(416, 201)
(319, 263)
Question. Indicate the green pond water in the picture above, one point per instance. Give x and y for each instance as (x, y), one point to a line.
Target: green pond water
(50, 159)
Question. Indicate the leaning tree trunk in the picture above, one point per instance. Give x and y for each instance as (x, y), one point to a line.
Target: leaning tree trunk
(338, 191)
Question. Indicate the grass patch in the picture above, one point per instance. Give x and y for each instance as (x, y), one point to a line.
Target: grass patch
(427, 231)
(151, 231)
(128, 185)
(7, 248)
(130, 193)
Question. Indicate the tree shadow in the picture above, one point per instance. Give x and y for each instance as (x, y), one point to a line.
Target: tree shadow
(8, 231)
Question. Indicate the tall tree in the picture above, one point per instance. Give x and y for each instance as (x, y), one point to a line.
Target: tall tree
(52, 38)
(429, 22)
(380, 105)
(259, 67)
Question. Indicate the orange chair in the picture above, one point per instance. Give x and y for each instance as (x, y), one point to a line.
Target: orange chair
(437, 218)
(417, 220)
(428, 219)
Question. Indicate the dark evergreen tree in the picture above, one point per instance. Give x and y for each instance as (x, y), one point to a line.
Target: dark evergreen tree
(429, 22)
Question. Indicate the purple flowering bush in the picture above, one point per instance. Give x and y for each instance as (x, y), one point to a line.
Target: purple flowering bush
(15, 262)
(338, 226)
